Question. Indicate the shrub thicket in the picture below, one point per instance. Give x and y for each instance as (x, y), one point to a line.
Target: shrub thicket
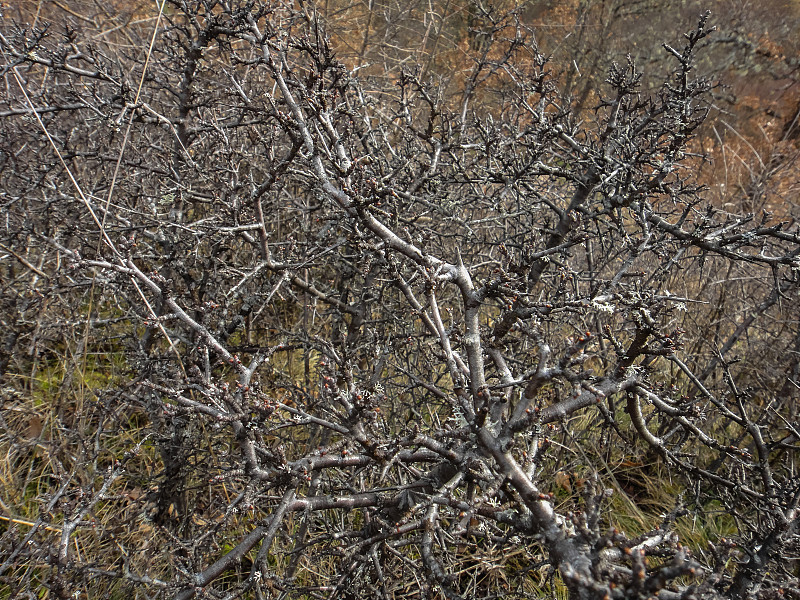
(274, 326)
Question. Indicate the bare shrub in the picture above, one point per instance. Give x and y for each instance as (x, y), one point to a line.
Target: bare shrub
(272, 329)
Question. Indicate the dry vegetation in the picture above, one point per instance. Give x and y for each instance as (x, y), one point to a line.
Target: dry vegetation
(412, 300)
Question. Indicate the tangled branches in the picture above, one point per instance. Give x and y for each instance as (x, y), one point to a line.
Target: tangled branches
(368, 331)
